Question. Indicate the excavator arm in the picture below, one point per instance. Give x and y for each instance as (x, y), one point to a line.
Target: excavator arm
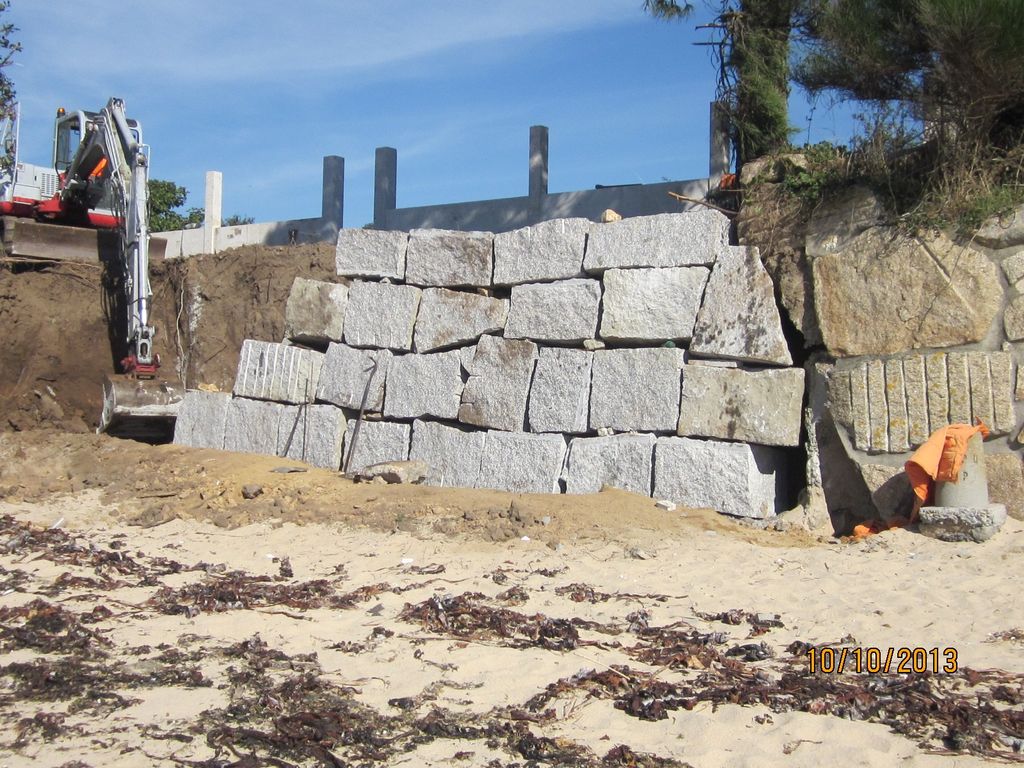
(111, 164)
(109, 168)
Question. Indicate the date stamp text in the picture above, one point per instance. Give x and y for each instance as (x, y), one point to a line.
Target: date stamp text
(873, 660)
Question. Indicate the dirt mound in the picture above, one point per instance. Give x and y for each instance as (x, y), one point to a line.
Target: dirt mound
(212, 303)
(57, 346)
(150, 485)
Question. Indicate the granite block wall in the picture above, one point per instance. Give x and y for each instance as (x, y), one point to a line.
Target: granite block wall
(645, 354)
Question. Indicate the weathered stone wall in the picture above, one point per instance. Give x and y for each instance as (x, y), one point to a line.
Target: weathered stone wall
(904, 335)
(645, 354)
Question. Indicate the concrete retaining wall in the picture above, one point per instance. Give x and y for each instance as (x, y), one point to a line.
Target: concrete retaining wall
(192, 242)
(505, 214)
(523, 393)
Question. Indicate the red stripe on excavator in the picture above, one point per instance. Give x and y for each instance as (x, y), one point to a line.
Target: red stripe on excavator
(103, 220)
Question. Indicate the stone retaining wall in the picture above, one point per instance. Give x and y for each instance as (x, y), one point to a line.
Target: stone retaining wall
(904, 335)
(645, 354)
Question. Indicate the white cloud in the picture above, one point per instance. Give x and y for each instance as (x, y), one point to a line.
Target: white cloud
(224, 41)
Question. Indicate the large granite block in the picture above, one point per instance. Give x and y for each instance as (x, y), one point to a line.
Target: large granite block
(1003, 230)
(453, 455)
(1013, 319)
(314, 434)
(446, 258)
(878, 409)
(371, 253)
(522, 463)
(938, 391)
(734, 478)
(636, 389)
(917, 399)
(381, 315)
(424, 385)
(252, 426)
(202, 418)
(315, 312)
(867, 303)
(981, 388)
(560, 393)
(551, 250)
(565, 311)
(664, 240)
(621, 461)
(651, 304)
(733, 404)
(739, 319)
(839, 399)
(1001, 371)
(859, 408)
(346, 373)
(899, 402)
(1013, 268)
(269, 371)
(449, 318)
(896, 400)
(377, 441)
(499, 383)
(959, 388)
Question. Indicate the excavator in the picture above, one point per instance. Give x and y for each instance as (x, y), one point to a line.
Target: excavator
(100, 181)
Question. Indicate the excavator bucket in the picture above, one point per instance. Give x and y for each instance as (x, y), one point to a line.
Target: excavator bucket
(140, 409)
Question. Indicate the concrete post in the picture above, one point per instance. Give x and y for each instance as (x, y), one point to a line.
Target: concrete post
(385, 184)
(970, 489)
(213, 208)
(718, 162)
(333, 206)
(538, 163)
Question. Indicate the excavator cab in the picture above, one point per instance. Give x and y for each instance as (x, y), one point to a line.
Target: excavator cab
(84, 167)
(67, 135)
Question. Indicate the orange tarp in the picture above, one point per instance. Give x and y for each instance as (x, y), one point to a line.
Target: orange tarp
(939, 459)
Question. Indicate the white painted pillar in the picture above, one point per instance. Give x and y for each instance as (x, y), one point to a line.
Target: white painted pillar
(213, 204)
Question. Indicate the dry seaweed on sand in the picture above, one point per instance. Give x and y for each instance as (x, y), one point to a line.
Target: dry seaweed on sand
(49, 628)
(238, 590)
(91, 684)
(466, 616)
(601, 684)
(958, 711)
(584, 593)
(961, 712)
(760, 622)
(1015, 635)
(42, 726)
(675, 648)
(276, 717)
(235, 591)
(58, 546)
(514, 596)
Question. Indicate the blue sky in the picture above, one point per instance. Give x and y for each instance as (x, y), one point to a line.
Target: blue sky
(262, 90)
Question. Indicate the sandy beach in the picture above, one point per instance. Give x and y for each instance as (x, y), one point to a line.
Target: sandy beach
(325, 623)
